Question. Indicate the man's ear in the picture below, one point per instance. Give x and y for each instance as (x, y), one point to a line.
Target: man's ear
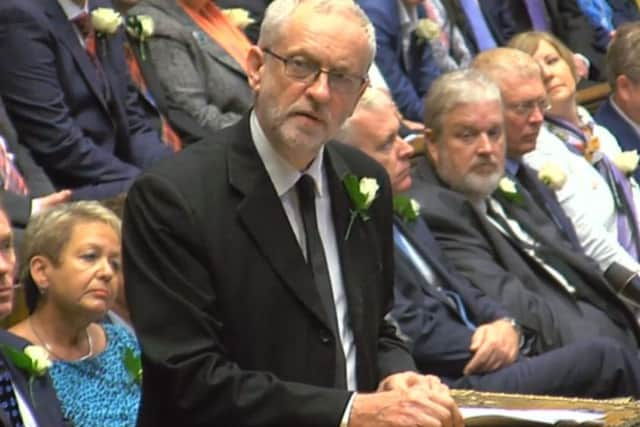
(255, 63)
(623, 88)
(431, 145)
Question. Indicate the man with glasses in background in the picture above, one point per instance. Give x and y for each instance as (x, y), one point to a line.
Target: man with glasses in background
(262, 258)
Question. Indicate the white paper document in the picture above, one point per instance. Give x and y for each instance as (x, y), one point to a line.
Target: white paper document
(495, 416)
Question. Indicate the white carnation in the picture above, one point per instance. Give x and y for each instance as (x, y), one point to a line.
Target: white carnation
(627, 161)
(39, 357)
(552, 175)
(369, 187)
(105, 20)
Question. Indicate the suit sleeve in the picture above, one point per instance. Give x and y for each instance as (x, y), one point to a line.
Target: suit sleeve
(31, 88)
(188, 374)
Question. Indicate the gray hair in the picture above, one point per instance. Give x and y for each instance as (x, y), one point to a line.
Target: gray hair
(623, 55)
(372, 99)
(505, 62)
(279, 11)
(453, 89)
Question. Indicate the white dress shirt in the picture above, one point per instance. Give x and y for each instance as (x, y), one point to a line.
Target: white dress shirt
(585, 198)
(72, 11)
(284, 178)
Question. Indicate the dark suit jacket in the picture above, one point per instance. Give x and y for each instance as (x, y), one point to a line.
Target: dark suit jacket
(439, 338)
(624, 11)
(207, 242)
(41, 397)
(491, 262)
(52, 93)
(627, 137)
(509, 17)
(408, 86)
(18, 206)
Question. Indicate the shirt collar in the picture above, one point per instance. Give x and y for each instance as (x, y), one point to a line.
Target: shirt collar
(626, 118)
(408, 18)
(282, 174)
(512, 166)
(72, 10)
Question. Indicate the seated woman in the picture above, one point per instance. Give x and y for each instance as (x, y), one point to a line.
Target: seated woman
(199, 58)
(71, 269)
(597, 193)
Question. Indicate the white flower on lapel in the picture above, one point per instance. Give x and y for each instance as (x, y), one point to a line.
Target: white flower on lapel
(140, 26)
(627, 161)
(362, 193)
(239, 17)
(407, 208)
(105, 21)
(39, 359)
(427, 29)
(509, 190)
(552, 176)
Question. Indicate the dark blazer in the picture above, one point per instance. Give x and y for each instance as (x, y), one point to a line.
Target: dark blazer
(501, 268)
(18, 206)
(624, 11)
(627, 137)
(53, 95)
(207, 242)
(439, 340)
(507, 18)
(40, 396)
(407, 86)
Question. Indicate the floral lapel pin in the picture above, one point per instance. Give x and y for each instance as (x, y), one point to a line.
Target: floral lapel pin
(362, 193)
(140, 27)
(105, 21)
(508, 188)
(627, 162)
(33, 360)
(239, 17)
(133, 365)
(427, 30)
(406, 208)
(552, 175)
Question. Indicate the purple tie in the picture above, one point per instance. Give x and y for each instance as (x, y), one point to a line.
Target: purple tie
(537, 15)
(481, 32)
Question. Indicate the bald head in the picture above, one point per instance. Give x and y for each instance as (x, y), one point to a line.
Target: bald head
(519, 78)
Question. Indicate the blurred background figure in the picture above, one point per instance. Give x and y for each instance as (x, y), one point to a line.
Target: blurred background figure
(198, 56)
(72, 270)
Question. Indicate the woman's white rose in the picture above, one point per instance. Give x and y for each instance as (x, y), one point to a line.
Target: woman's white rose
(368, 187)
(239, 17)
(39, 357)
(552, 175)
(415, 206)
(507, 186)
(627, 161)
(105, 20)
(147, 26)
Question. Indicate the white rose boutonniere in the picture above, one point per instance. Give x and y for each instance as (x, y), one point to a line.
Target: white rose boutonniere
(627, 161)
(552, 176)
(140, 27)
(362, 193)
(406, 208)
(509, 190)
(105, 21)
(34, 360)
(239, 17)
(427, 30)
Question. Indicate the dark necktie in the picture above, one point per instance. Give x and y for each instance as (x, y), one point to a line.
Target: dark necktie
(318, 263)
(83, 23)
(8, 400)
(13, 180)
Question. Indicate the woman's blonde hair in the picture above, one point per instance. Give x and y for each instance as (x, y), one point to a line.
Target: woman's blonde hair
(529, 41)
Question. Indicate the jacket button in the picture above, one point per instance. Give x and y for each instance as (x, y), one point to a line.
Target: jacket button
(325, 338)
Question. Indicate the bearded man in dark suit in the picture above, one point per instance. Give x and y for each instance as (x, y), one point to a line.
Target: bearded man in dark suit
(276, 277)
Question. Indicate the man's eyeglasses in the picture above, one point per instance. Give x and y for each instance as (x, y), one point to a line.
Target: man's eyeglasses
(525, 108)
(305, 70)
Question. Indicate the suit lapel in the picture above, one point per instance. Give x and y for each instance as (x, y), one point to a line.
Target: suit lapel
(64, 31)
(215, 51)
(355, 253)
(266, 222)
